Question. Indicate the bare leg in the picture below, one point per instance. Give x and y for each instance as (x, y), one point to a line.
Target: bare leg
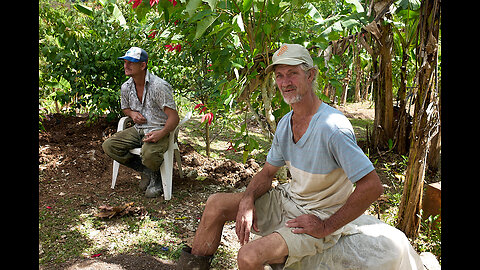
(220, 208)
(271, 249)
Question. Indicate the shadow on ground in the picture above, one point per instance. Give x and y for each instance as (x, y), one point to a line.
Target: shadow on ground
(124, 262)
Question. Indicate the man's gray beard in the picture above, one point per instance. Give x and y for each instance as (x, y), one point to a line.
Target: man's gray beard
(293, 100)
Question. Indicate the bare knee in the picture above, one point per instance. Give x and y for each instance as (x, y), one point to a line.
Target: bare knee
(213, 202)
(270, 249)
(217, 207)
(249, 258)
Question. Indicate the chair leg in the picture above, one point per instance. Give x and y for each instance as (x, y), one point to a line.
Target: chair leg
(115, 173)
(179, 162)
(166, 170)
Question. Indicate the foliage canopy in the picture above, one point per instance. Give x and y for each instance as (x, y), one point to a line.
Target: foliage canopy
(212, 52)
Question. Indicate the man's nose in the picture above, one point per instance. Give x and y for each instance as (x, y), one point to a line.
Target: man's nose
(285, 82)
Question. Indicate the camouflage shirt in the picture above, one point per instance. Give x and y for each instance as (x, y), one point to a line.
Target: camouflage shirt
(157, 94)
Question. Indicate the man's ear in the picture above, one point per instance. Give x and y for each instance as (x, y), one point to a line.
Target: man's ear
(144, 65)
(311, 74)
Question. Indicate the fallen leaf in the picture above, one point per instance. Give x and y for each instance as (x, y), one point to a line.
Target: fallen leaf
(107, 211)
(95, 255)
(105, 208)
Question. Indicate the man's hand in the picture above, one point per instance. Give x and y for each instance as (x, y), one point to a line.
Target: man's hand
(245, 219)
(138, 117)
(153, 136)
(309, 224)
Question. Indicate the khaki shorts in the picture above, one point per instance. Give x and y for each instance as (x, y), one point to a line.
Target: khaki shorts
(275, 208)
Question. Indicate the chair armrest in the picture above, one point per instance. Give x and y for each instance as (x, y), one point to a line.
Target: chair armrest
(122, 123)
(185, 119)
(177, 129)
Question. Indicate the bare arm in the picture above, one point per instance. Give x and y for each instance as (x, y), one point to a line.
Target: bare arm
(259, 185)
(261, 182)
(136, 116)
(367, 190)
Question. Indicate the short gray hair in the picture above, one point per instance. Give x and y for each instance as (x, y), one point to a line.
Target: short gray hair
(306, 67)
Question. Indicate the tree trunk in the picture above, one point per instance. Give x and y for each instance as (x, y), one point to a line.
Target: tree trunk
(268, 92)
(358, 69)
(434, 158)
(426, 119)
(401, 133)
(383, 130)
(382, 72)
(207, 139)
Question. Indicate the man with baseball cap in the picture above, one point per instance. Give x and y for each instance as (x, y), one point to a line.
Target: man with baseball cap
(148, 100)
(300, 220)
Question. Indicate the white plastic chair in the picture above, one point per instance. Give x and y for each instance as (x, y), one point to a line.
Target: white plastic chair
(166, 169)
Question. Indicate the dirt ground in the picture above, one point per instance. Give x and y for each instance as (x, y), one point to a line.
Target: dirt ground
(74, 173)
(360, 110)
(74, 168)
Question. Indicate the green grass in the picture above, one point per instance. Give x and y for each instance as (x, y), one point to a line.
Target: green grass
(67, 234)
(360, 127)
(221, 137)
(59, 241)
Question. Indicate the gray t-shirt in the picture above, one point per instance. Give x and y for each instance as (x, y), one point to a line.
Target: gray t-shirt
(156, 95)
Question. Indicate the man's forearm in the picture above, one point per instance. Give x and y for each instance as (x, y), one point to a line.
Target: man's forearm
(259, 185)
(261, 182)
(170, 125)
(368, 189)
(137, 117)
(127, 111)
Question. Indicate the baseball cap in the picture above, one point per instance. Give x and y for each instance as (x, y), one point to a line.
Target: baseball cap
(135, 54)
(290, 54)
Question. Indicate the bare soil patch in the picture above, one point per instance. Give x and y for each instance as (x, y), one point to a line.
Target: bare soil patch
(75, 176)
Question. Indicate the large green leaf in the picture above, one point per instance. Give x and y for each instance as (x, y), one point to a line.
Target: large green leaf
(84, 9)
(118, 16)
(357, 5)
(247, 4)
(203, 24)
(142, 10)
(350, 23)
(408, 4)
(314, 14)
(273, 9)
(267, 29)
(192, 6)
(212, 4)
